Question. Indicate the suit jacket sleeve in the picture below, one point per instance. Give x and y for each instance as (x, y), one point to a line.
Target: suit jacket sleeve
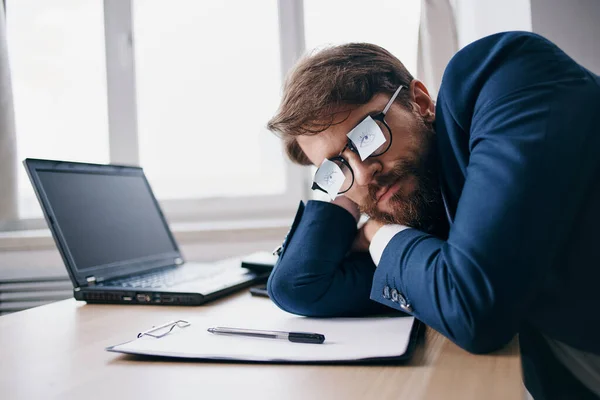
(315, 274)
(529, 110)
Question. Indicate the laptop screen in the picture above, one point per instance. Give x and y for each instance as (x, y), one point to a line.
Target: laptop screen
(106, 219)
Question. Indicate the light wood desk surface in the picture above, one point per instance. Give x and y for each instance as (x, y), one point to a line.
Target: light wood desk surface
(57, 352)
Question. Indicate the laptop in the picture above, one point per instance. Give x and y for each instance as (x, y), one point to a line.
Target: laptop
(115, 240)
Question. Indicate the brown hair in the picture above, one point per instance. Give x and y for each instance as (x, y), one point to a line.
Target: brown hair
(329, 83)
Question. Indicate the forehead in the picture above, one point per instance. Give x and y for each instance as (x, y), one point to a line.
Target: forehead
(330, 142)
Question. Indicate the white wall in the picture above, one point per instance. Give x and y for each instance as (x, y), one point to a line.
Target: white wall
(479, 18)
(572, 25)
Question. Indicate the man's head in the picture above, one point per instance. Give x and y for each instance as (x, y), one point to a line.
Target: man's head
(331, 92)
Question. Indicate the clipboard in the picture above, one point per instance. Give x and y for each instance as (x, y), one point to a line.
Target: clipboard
(379, 339)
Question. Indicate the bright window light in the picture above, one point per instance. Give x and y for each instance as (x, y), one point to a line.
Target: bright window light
(208, 80)
(56, 54)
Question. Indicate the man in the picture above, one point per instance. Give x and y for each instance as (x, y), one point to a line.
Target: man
(484, 206)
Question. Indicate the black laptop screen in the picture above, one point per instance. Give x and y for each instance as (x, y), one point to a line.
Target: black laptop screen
(106, 219)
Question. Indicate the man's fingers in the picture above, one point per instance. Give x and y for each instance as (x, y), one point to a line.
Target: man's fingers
(370, 228)
(360, 243)
(348, 205)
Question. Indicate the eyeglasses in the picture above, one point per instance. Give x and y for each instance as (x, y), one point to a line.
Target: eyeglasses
(370, 138)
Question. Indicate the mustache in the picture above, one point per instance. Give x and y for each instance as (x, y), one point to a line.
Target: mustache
(402, 170)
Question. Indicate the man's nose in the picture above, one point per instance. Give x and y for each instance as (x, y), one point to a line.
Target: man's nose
(364, 171)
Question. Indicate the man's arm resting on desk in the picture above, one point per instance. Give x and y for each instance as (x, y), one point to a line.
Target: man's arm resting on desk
(315, 275)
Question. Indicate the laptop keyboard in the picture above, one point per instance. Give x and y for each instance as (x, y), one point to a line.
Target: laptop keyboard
(162, 279)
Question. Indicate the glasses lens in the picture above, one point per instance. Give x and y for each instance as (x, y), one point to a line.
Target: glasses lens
(328, 178)
(388, 138)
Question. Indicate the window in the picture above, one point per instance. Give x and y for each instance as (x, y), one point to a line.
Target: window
(56, 53)
(203, 82)
(183, 87)
(208, 79)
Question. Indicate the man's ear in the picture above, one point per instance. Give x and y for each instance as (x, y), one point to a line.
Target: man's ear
(423, 103)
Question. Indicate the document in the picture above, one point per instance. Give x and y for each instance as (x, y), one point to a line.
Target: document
(346, 339)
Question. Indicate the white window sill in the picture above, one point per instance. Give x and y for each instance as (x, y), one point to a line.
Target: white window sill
(185, 232)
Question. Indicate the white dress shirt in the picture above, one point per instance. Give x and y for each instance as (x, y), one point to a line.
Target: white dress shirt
(381, 240)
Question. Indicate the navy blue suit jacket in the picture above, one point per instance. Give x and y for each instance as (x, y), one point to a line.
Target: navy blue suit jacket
(519, 144)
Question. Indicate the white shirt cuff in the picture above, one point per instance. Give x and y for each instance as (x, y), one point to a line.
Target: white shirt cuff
(381, 239)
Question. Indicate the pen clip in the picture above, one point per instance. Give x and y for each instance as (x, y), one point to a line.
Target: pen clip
(169, 326)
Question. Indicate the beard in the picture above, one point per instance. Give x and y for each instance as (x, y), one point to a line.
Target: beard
(421, 208)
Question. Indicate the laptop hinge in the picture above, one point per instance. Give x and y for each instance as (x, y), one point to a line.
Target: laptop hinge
(91, 280)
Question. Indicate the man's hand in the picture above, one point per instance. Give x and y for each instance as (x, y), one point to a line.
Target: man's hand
(365, 235)
(366, 232)
(348, 205)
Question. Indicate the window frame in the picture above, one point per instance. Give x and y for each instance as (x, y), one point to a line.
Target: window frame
(123, 124)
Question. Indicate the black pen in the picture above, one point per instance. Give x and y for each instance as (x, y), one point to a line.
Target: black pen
(297, 337)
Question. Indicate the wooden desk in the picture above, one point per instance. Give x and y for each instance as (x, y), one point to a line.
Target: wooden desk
(57, 352)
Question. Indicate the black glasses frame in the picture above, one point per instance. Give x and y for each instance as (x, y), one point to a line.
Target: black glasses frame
(349, 145)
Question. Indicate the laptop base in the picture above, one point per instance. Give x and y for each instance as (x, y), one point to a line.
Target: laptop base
(109, 295)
